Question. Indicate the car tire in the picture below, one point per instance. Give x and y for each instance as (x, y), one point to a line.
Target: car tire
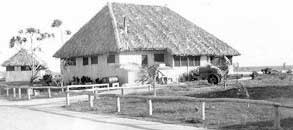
(213, 79)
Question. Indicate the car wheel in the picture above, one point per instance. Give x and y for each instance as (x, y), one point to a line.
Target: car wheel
(213, 79)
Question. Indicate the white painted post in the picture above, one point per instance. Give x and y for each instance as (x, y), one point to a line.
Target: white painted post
(49, 92)
(28, 94)
(203, 110)
(91, 103)
(7, 92)
(19, 93)
(67, 96)
(108, 86)
(14, 93)
(118, 104)
(150, 107)
(277, 118)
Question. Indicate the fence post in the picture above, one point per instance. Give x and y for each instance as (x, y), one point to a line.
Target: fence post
(118, 104)
(49, 92)
(67, 96)
(277, 118)
(19, 93)
(62, 89)
(108, 86)
(7, 92)
(28, 94)
(150, 107)
(14, 93)
(122, 91)
(149, 88)
(203, 110)
(91, 103)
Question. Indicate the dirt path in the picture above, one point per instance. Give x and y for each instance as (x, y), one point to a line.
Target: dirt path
(48, 114)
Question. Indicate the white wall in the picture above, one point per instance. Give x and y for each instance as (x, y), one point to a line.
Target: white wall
(102, 69)
(204, 60)
(18, 76)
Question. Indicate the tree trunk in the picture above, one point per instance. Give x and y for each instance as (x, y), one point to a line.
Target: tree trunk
(154, 87)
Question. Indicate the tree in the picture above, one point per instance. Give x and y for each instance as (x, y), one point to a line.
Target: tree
(30, 39)
(150, 74)
(58, 25)
(27, 39)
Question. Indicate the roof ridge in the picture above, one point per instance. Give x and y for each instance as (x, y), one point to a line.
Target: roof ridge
(114, 24)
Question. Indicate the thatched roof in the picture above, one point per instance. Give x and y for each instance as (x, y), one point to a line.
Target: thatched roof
(148, 28)
(23, 58)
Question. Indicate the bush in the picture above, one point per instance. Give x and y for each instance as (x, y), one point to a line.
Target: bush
(254, 75)
(85, 79)
(47, 78)
(184, 77)
(289, 71)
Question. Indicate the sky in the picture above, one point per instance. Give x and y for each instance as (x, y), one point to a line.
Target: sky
(261, 30)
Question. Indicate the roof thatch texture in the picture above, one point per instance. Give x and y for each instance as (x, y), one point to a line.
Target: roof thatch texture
(148, 28)
(23, 58)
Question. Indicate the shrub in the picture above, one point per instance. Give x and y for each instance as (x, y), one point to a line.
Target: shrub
(85, 79)
(47, 78)
(289, 71)
(254, 74)
(183, 77)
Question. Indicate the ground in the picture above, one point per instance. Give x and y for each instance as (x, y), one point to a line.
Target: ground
(48, 114)
(226, 116)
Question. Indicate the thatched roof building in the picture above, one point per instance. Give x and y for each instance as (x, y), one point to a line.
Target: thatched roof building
(128, 27)
(23, 58)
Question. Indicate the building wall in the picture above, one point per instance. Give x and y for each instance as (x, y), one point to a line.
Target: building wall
(18, 75)
(102, 69)
(127, 67)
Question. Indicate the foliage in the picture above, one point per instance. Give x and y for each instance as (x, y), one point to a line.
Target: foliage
(47, 78)
(56, 23)
(85, 79)
(151, 75)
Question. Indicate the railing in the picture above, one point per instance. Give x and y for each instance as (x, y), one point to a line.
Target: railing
(29, 89)
(93, 92)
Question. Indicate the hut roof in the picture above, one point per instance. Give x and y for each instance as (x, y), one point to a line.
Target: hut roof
(148, 28)
(23, 58)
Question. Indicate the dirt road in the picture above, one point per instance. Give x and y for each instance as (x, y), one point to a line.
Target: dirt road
(47, 114)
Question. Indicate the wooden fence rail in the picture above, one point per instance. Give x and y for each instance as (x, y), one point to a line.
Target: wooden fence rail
(29, 89)
(149, 99)
(94, 91)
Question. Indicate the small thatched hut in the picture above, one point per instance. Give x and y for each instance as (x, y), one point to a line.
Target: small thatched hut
(124, 34)
(18, 67)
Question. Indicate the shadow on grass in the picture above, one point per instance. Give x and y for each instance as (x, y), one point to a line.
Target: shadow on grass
(286, 124)
(258, 93)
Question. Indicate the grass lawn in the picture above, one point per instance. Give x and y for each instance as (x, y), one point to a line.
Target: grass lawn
(226, 116)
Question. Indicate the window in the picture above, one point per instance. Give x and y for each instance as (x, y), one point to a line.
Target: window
(184, 60)
(144, 60)
(70, 61)
(85, 61)
(159, 58)
(194, 60)
(25, 68)
(10, 68)
(111, 59)
(177, 60)
(94, 60)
